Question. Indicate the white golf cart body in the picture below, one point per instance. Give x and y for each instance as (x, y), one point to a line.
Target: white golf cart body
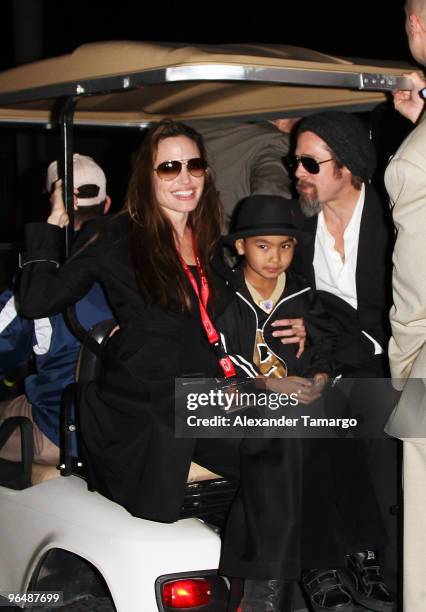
(54, 530)
(129, 553)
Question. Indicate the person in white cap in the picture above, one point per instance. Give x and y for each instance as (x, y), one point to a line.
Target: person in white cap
(90, 197)
(54, 348)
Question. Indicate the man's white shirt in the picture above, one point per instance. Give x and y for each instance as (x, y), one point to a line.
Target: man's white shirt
(334, 275)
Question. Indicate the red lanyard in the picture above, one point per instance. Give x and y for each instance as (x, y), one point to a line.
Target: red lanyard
(212, 335)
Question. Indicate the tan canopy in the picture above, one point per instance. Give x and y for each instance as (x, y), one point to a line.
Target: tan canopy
(133, 83)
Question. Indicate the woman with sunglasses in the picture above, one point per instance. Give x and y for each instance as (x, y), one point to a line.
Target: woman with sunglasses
(147, 258)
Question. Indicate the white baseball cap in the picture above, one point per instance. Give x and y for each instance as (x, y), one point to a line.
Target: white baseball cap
(86, 172)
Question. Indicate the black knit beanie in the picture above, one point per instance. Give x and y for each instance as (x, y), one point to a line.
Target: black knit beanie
(348, 139)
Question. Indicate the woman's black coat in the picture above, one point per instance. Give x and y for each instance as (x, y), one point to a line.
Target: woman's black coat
(127, 419)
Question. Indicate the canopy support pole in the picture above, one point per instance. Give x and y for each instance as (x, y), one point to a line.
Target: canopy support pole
(65, 170)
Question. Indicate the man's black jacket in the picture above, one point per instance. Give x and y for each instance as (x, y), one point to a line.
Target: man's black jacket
(373, 284)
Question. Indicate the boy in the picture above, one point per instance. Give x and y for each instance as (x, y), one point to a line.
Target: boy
(265, 289)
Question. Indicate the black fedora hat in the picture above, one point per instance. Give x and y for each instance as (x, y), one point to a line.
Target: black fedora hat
(264, 215)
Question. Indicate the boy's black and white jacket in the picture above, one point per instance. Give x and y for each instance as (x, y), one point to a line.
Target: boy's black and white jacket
(238, 322)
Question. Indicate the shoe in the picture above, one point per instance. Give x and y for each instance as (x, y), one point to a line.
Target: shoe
(363, 580)
(326, 592)
(267, 596)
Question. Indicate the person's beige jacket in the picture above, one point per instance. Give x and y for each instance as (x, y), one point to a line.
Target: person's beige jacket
(405, 180)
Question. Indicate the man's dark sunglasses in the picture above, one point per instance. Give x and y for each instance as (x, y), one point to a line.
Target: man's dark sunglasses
(310, 164)
(87, 191)
(169, 170)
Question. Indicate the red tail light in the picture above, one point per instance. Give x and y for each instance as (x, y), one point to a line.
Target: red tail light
(187, 593)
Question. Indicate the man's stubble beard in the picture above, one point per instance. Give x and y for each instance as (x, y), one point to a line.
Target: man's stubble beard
(310, 205)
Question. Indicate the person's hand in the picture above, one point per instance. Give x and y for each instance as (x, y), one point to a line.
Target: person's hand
(409, 103)
(304, 389)
(294, 334)
(58, 214)
(320, 380)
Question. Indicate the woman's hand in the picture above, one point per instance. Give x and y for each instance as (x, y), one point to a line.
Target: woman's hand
(58, 214)
(409, 103)
(294, 334)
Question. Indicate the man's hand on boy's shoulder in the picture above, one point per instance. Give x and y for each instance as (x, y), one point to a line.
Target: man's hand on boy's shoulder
(294, 332)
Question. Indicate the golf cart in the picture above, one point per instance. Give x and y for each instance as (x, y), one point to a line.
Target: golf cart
(56, 536)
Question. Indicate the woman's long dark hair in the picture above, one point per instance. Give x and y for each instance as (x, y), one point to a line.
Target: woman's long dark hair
(159, 272)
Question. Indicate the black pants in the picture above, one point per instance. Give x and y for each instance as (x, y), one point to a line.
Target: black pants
(302, 503)
(340, 510)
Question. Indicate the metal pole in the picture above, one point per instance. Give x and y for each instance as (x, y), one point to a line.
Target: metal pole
(66, 165)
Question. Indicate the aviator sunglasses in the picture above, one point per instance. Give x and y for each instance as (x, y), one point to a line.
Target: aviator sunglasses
(310, 164)
(169, 170)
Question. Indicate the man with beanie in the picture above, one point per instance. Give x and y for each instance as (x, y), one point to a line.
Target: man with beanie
(405, 181)
(54, 349)
(348, 260)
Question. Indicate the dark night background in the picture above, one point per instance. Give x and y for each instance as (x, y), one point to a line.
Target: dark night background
(34, 29)
(359, 28)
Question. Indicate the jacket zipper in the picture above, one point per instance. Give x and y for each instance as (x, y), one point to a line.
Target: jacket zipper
(289, 297)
